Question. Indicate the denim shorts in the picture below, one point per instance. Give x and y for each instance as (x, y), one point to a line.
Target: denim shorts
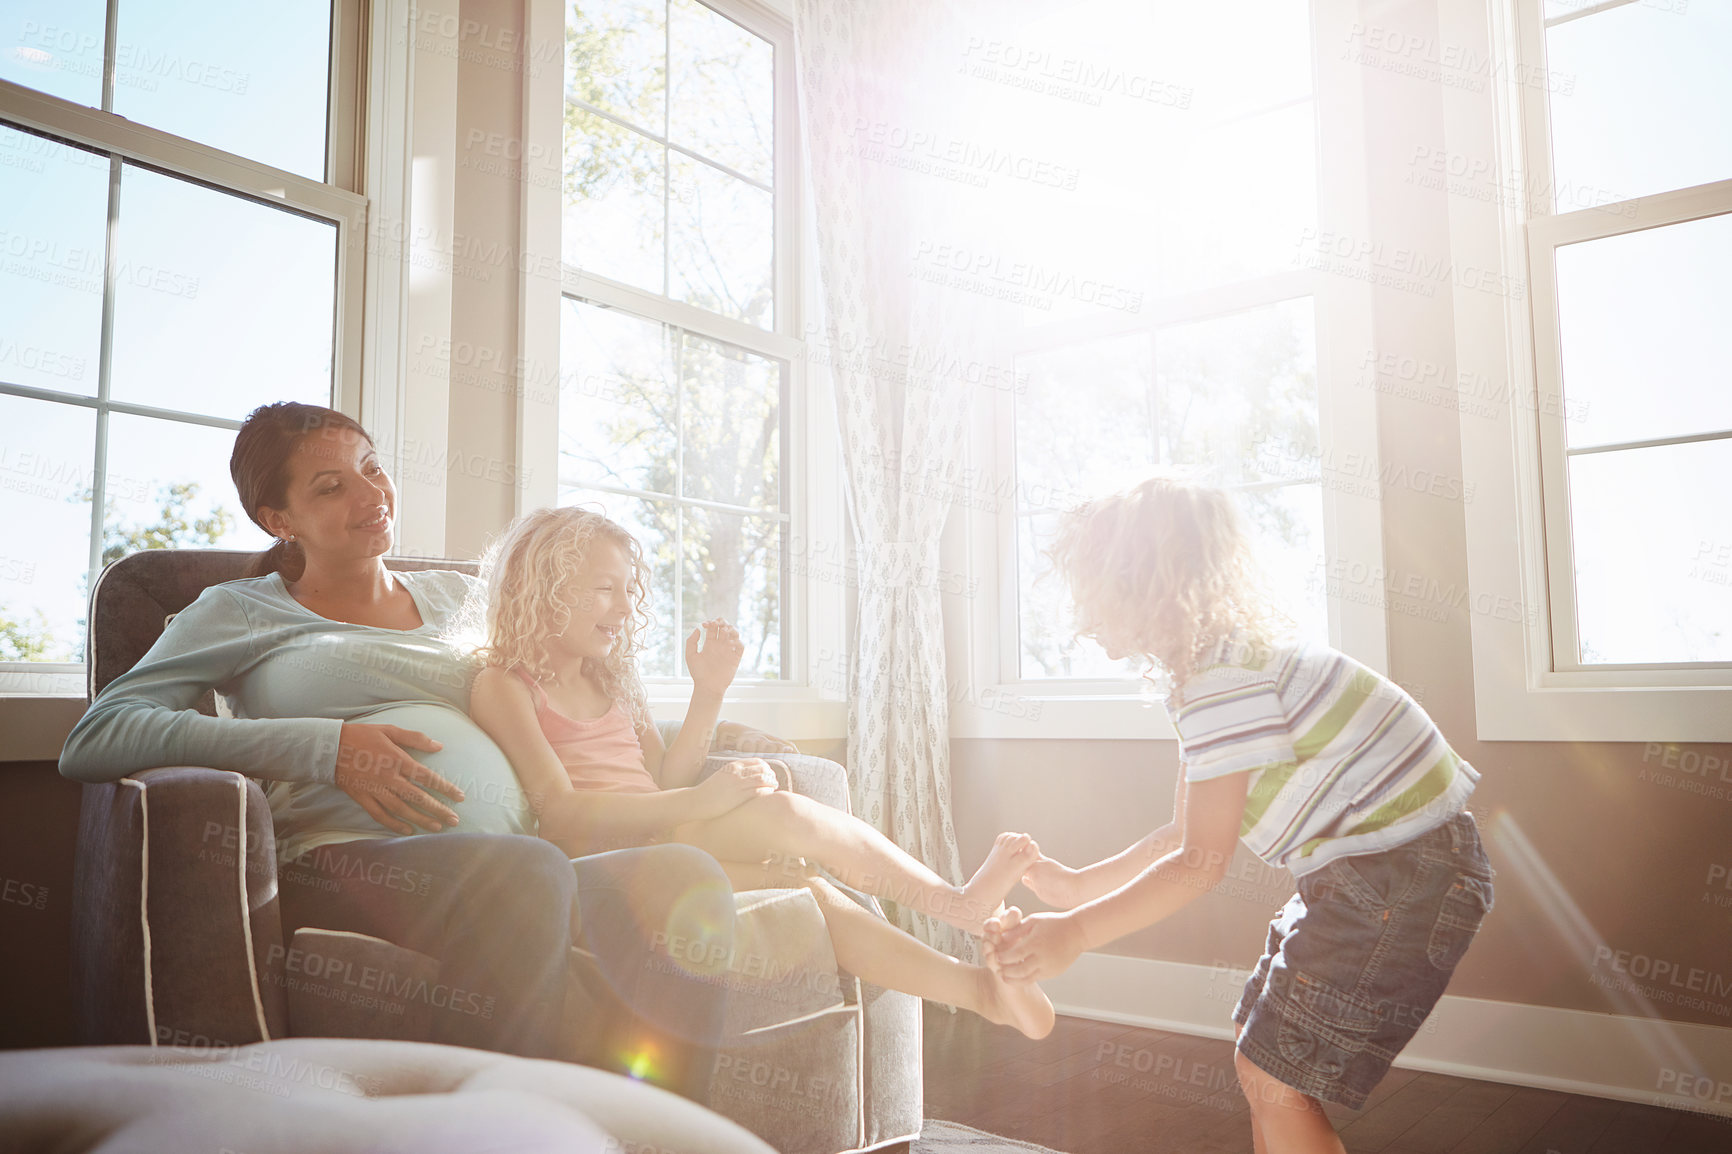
(1357, 959)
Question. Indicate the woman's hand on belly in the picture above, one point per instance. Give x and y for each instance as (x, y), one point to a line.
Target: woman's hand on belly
(374, 768)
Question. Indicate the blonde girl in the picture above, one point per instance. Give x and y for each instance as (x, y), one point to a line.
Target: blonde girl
(560, 694)
(1319, 764)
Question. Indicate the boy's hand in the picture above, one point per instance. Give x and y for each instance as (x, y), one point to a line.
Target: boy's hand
(1053, 883)
(1037, 947)
(735, 784)
(713, 670)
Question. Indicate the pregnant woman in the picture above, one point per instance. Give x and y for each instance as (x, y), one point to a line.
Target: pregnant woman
(352, 710)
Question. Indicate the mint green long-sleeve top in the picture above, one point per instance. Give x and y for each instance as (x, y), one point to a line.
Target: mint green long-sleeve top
(290, 679)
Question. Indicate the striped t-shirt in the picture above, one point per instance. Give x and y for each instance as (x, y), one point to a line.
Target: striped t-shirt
(1342, 761)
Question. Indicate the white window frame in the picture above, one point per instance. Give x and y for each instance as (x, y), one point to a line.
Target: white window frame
(331, 200)
(803, 706)
(1516, 462)
(983, 542)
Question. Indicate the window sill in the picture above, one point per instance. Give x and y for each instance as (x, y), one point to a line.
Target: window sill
(1005, 711)
(36, 724)
(786, 712)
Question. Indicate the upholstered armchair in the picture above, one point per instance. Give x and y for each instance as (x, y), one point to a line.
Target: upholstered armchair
(178, 941)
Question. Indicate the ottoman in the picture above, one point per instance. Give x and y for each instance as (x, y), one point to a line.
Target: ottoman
(336, 1096)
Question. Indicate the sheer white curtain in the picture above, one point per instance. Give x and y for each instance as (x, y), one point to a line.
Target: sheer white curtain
(879, 101)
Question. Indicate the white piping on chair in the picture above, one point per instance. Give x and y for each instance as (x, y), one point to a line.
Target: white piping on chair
(827, 1011)
(357, 935)
(883, 1142)
(860, 1061)
(246, 912)
(144, 900)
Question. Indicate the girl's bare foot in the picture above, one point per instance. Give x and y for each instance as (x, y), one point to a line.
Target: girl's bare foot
(1023, 1005)
(982, 894)
(1051, 882)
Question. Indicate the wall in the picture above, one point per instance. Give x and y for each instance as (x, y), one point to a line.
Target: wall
(482, 465)
(38, 828)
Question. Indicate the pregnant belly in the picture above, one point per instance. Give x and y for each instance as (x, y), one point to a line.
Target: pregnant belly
(493, 802)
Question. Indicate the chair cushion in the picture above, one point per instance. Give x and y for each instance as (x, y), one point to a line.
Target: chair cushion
(795, 1084)
(783, 965)
(336, 1096)
(347, 985)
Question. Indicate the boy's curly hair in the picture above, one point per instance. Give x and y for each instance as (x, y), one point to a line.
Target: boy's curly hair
(527, 572)
(1167, 571)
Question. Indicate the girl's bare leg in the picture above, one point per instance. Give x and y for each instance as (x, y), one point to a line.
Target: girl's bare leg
(872, 949)
(785, 826)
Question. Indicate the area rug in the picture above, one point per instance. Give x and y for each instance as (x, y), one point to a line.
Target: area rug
(953, 1137)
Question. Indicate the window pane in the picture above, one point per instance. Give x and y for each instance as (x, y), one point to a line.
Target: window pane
(1232, 386)
(616, 400)
(1083, 427)
(653, 524)
(51, 242)
(1213, 172)
(221, 303)
(616, 58)
(1235, 57)
(613, 185)
(57, 47)
(1652, 530)
(733, 569)
(1238, 404)
(1638, 99)
(721, 242)
(1235, 403)
(1047, 617)
(732, 407)
(1242, 196)
(46, 455)
(1642, 323)
(251, 79)
(1083, 424)
(1210, 61)
(168, 487)
(721, 102)
(1286, 527)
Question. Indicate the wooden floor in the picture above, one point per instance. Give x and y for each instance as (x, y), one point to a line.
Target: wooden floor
(1098, 1088)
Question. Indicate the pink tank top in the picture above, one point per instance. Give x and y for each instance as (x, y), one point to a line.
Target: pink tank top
(601, 753)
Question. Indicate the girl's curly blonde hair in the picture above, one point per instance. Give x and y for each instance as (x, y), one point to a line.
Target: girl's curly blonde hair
(1166, 571)
(527, 573)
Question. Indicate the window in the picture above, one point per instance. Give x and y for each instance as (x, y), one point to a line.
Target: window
(1595, 546)
(1630, 306)
(1179, 304)
(1208, 360)
(175, 249)
(677, 393)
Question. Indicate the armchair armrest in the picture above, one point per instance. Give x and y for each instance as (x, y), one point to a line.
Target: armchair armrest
(177, 925)
(818, 778)
(671, 729)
